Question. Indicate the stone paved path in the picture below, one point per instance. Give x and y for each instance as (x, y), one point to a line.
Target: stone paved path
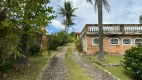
(57, 69)
(94, 72)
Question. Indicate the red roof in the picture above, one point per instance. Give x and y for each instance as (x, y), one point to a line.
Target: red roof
(78, 33)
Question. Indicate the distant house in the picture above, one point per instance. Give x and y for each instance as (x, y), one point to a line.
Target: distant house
(117, 37)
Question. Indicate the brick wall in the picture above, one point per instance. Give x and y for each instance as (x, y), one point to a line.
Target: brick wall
(117, 49)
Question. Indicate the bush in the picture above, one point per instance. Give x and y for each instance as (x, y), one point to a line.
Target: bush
(53, 42)
(133, 61)
(62, 36)
(70, 39)
(59, 39)
(5, 66)
(78, 44)
(34, 49)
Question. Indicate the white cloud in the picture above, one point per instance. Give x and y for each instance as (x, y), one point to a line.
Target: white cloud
(57, 24)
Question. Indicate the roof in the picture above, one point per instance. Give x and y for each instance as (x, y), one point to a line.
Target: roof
(78, 33)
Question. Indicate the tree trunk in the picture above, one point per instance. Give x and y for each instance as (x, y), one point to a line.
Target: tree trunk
(100, 23)
(65, 36)
(44, 39)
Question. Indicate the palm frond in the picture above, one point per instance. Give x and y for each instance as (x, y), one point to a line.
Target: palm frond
(96, 4)
(106, 5)
(62, 11)
(68, 12)
(73, 10)
(73, 15)
(140, 19)
(72, 23)
(72, 28)
(90, 1)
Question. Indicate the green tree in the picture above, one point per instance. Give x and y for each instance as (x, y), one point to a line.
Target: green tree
(25, 15)
(68, 12)
(133, 61)
(98, 4)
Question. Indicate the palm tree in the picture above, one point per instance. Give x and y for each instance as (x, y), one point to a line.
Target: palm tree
(98, 4)
(68, 12)
(140, 19)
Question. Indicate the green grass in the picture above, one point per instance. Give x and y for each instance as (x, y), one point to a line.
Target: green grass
(108, 58)
(32, 71)
(119, 71)
(75, 71)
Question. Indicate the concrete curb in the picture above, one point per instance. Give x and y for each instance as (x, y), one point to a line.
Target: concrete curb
(104, 70)
(114, 77)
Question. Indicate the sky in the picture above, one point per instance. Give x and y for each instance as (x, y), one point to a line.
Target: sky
(122, 12)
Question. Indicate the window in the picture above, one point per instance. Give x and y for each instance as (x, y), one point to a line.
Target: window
(114, 41)
(138, 41)
(95, 41)
(127, 41)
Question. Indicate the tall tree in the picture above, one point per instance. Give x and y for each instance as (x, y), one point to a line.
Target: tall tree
(68, 12)
(44, 38)
(98, 4)
(25, 15)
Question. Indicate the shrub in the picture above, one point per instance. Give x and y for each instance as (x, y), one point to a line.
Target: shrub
(53, 42)
(34, 49)
(133, 61)
(5, 66)
(62, 37)
(70, 39)
(59, 39)
(78, 44)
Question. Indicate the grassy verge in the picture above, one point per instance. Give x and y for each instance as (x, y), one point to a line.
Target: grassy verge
(118, 71)
(31, 72)
(76, 72)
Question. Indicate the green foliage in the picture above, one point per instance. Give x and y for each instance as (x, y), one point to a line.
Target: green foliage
(67, 11)
(56, 40)
(20, 20)
(73, 34)
(34, 49)
(53, 42)
(70, 39)
(78, 44)
(59, 39)
(5, 67)
(14, 50)
(62, 37)
(133, 61)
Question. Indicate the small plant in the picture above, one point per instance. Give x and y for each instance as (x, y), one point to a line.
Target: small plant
(53, 42)
(133, 61)
(34, 49)
(78, 44)
(5, 66)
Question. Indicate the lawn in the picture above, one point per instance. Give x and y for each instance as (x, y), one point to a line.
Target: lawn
(31, 72)
(75, 71)
(118, 71)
